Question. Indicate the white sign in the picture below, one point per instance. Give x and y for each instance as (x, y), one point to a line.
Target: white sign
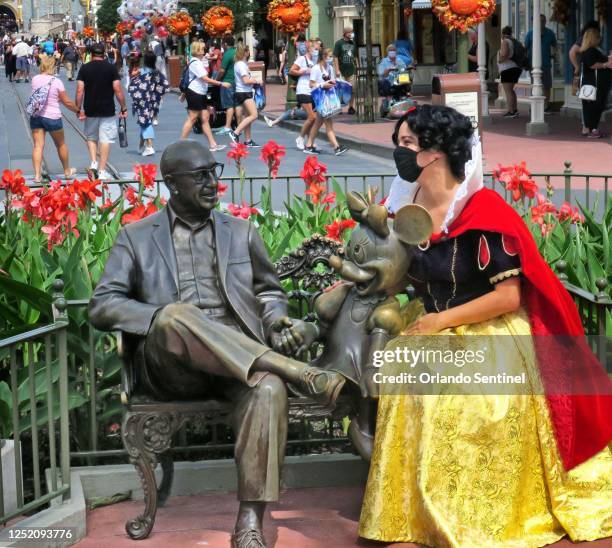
(466, 103)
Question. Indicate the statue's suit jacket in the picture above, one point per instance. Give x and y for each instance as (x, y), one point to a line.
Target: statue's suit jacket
(141, 277)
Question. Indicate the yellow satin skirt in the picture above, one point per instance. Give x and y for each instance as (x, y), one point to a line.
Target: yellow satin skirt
(480, 470)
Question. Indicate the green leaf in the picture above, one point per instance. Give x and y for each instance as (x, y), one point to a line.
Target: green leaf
(33, 296)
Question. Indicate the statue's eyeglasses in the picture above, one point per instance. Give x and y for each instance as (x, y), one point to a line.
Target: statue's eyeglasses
(205, 174)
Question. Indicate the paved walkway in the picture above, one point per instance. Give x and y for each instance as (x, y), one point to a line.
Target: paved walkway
(304, 518)
(504, 140)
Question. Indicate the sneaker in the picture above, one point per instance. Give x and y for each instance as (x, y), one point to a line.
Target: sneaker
(252, 144)
(93, 165)
(351, 110)
(216, 148)
(148, 151)
(268, 121)
(340, 150)
(511, 114)
(156, 122)
(311, 150)
(299, 142)
(141, 148)
(222, 130)
(234, 137)
(27, 80)
(104, 175)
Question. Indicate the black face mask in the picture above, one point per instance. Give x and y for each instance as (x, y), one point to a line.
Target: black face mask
(406, 163)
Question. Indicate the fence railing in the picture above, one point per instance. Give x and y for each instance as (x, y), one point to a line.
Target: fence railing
(40, 355)
(567, 185)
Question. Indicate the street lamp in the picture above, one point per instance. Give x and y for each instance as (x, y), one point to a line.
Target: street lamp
(329, 10)
(361, 5)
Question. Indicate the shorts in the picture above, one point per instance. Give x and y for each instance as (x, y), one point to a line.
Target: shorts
(23, 63)
(195, 101)
(546, 78)
(103, 130)
(241, 96)
(147, 132)
(48, 124)
(304, 99)
(350, 79)
(511, 75)
(227, 98)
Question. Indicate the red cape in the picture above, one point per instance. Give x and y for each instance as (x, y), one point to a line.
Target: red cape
(578, 390)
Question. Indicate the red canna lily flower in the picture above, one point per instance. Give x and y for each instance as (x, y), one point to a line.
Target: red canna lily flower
(130, 195)
(517, 179)
(145, 174)
(86, 191)
(336, 229)
(13, 182)
(329, 199)
(237, 152)
(313, 172)
(271, 154)
(244, 211)
(569, 213)
(221, 188)
(315, 192)
(139, 212)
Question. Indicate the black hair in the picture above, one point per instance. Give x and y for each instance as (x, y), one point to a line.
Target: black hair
(229, 41)
(149, 59)
(441, 128)
(301, 37)
(590, 25)
(507, 31)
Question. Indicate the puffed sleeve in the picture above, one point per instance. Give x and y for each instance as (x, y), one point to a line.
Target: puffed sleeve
(497, 256)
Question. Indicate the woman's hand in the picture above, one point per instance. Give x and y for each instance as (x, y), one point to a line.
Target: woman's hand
(425, 325)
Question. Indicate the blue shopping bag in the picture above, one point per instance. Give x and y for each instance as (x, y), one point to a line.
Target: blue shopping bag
(326, 102)
(345, 91)
(260, 98)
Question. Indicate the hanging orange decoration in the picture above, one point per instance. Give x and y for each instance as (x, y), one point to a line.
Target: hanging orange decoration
(180, 23)
(159, 21)
(124, 27)
(407, 12)
(462, 14)
(218, 21)
(289, 16)
(89, 32)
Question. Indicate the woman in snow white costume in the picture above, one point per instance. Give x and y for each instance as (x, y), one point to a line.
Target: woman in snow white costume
(458, 470)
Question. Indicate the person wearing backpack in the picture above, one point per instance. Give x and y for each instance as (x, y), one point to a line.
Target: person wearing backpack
(48, 92)
(70, 58)
(509, 69)
(549, 47)
(194, 89)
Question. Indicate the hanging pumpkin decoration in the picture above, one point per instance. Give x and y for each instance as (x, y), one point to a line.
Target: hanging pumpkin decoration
(462, 14)
(289, 16)
(124, 27)
(89, 32)
(159, 21)
(218, 21)
(180, 23)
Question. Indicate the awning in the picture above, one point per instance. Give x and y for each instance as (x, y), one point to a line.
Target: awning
(421, 5)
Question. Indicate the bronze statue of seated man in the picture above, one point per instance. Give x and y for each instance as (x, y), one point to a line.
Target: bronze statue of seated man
(197, 288)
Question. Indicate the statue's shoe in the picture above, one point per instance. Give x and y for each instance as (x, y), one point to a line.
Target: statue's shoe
(248, 538)
(322, 386)
(362, 442)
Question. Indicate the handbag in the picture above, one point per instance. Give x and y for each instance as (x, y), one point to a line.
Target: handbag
(587, 92)
(260, 98)
(326, 102)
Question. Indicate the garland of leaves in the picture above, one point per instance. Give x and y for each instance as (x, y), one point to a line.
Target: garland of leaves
(560, 11)
(601, 8)
(456, 21)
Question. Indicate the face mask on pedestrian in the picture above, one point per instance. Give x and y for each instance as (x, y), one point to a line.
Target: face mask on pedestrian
(315, 55)
(392, 54)
(406, 163)
(330, 61)
(351, 35)
(302, 48)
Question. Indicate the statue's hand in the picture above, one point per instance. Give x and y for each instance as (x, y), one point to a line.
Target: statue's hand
(369, 388)
(292, 337)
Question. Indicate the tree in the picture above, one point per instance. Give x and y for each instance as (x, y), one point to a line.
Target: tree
(107, 15)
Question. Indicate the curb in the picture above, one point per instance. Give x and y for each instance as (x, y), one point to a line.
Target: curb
(382, 151)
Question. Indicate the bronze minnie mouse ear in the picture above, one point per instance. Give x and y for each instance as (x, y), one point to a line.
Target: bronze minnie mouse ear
(412, 224)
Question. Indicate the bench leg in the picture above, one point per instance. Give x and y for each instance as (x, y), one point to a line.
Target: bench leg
(145, 435)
